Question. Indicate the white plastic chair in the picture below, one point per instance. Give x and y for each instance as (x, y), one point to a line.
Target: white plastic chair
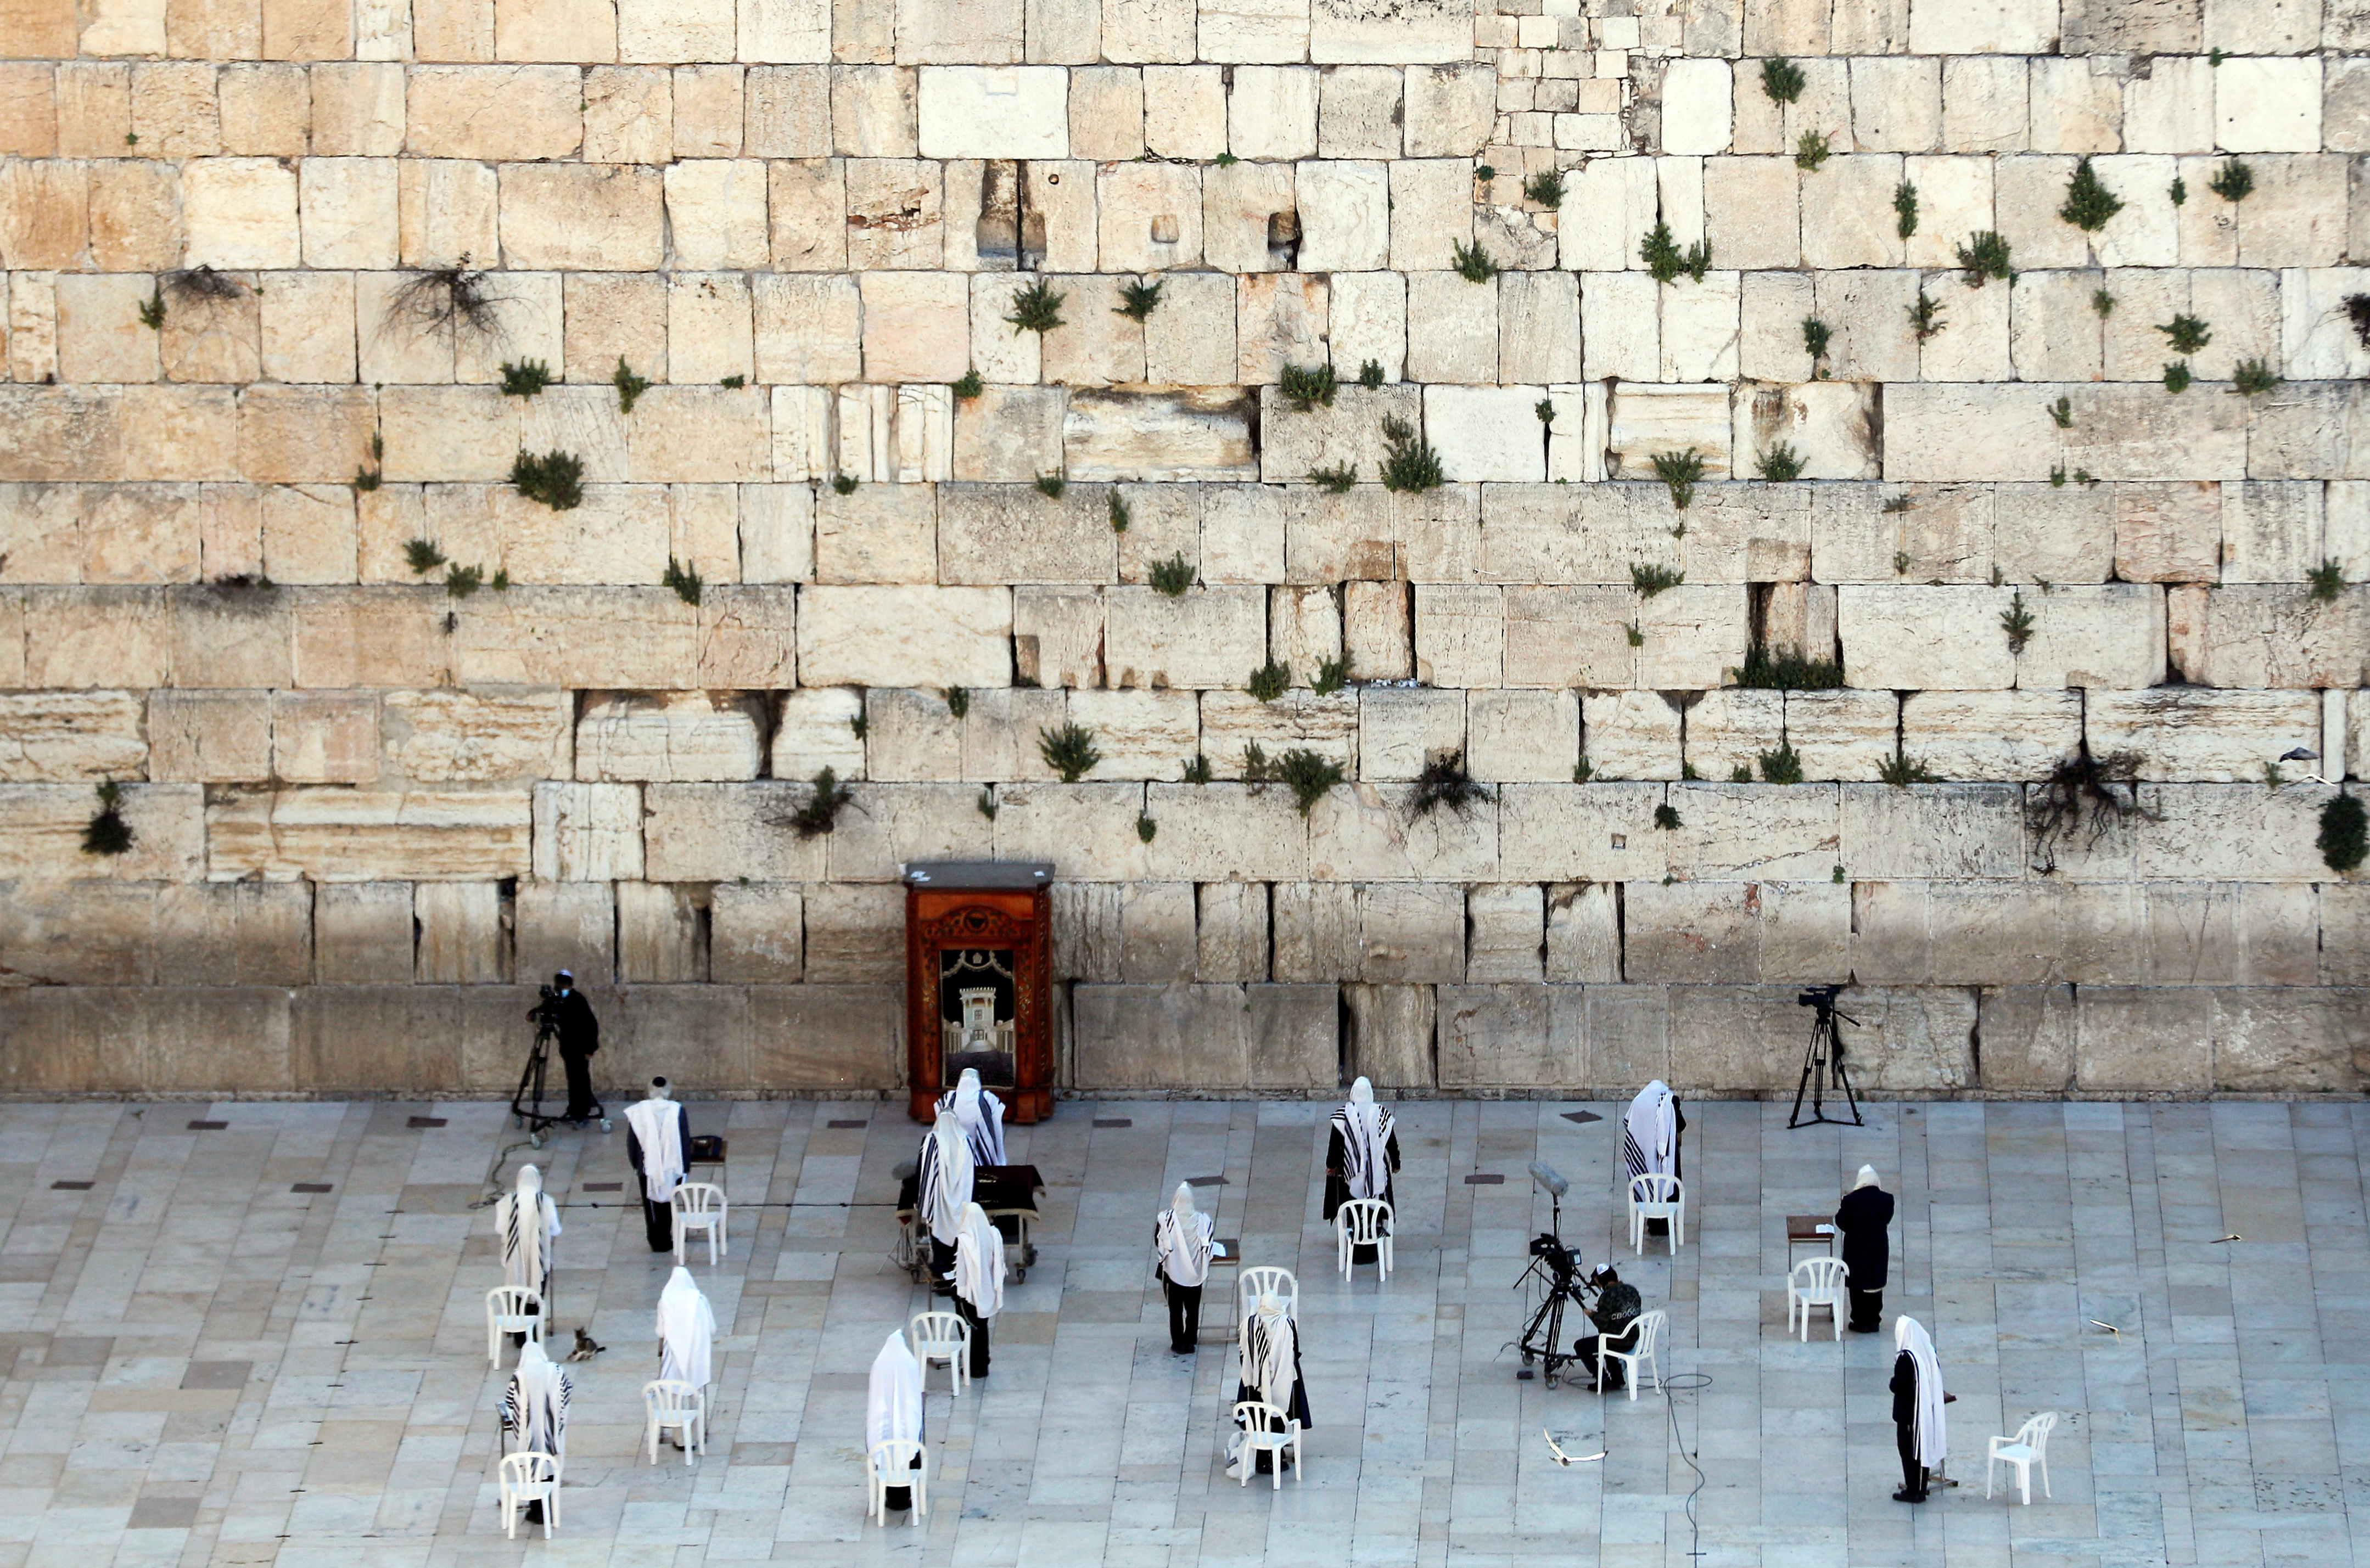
(943, 1337)
(1267, 1430)
(529, 1478)
(1365, 1222)
(1814, 1283)
(670, 1402)
(701, 1205)
(1266, 1279)
(512, 1309)
(1657, 1196)
(2029, 1447)
(1645, 1340)
(893, 1457)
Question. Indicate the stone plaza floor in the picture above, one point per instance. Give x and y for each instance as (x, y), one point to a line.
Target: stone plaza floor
(208, 1363)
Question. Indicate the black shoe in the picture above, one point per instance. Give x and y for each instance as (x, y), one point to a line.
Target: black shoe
(1906, 1495)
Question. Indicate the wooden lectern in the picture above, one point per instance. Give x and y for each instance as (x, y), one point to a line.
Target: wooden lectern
(979, 987)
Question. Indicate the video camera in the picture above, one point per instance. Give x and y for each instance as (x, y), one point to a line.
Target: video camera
(1550, 1249)
(1819, 997)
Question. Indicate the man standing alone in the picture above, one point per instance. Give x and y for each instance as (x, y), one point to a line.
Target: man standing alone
(1862, 1218)
(578, 1032)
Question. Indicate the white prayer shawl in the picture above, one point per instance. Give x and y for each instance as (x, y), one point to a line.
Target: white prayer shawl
(527, 1221)
(978, 1263)
(1365, 1130)
(981, 1114)
(1270, 1341)
(1650, 1130)
(535, 1405)
(1867, 1178)
(1180, 1238)
(687, 1331)
(892, 1402)
(942, 1186)
(1933, 1436)
(658, 1127)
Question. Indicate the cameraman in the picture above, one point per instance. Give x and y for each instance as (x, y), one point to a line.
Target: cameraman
(570, 1017)
(1616, 1310)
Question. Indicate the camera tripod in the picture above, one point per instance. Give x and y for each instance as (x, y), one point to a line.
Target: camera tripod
(1542, 1340)
(526, 1103)
(1822, 1063)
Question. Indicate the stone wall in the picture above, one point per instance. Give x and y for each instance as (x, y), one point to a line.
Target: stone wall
(252, 466)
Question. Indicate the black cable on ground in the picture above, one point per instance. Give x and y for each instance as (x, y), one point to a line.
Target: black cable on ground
(1692, 1382)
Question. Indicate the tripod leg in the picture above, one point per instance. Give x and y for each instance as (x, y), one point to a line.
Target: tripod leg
(1810, 1059)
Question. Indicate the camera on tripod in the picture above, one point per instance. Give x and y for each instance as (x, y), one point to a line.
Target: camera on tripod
(1822, 1061)
(1821, 996)
(1548, 1249)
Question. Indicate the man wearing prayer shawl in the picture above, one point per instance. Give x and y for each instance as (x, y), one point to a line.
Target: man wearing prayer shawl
(1651, 1131)
(527, 1221)
(892, 1407)
(1917, 1422)
(1182, 1245)
(979, 1280)
(534, 1411)
(686, 1326)
(941, 1191)
(1361, 1152)
(1862, 1218)
(980, 1113)
(658, 1141)
(1269, 1352)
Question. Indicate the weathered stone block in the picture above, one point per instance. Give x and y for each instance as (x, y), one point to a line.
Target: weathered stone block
(661, 936)
(719, 833)
(361, 934)
(891, 636)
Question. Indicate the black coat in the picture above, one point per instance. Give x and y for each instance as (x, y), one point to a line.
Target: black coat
(579, 1031)
(1904, 1389)
(1863, 1217)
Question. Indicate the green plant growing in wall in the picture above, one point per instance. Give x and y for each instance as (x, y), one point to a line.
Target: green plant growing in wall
(447, 301)
(2327, 580)
(819, 813)
(1305, 389)
(2344, 835)
(1788, 670)
(369, 479)
(461, 581)
(1741, 773)
(1332, 674)
(2252, 378)
(423, 557)
(2061, 412)
(1781, 79)
(152, 311)
(683, 579)
(1255, 763)
(1197, 769)
(107, 833)
(1137, 300)
(2187, 334)
(2357, 311)
(1903, 771)
(968, 386)
(1679, 472)
(2102, 303)
(1308, 775)
(2233, 181)
(2057, 476)
(1636, 633)
(1121, 517)
(1925, 317)
(1810, 150)
(2179, 192)
(1544, 409)
(2176, 377)
(1985, 256)
(1172, 576)
(1036, 308)
(1050, 486)
(1409, 465)
(1904, 209)
(733, 383)
(1666, 817)
(1444, 782)
(2016, 622)
(1472, 263)
(1370, 374)
(525, 378)
(1225, 160)
(201, 284)
(629, 386)
(1146, 827)
(1663, 258)
(1816, 335)
(1896, 503)
(557, 478)
(2089, 204)
(1781, 766)
(1069, 750)
(1651, 580)
(958, 699)
(861, 724)
(1546, 188)
(1780, 464)
(1270, 680)
(987, 803)
(1582, 771)
(1901, 563)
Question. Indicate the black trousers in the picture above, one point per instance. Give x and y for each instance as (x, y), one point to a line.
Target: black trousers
(1867, 1310)
(978, 1326)
(580, 1104)
(1609, 1376)
(658, 1224)
(1913, 1474)
(1184, 1315)
(901, 1498)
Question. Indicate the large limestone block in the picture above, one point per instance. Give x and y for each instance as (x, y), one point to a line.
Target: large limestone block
(46, 822)
(630, 639)
(240, 213)
(891, 636)
(817, 728)
(1947, 431)
(2168, 532)
(1730, 729)
(325, 736)
(1908, 636)
(1841, 734)
(1508, 925)
(463, 939)
(662, 934)
(303, 435)
(910, 736)
(209, 736)
(564, 925)
(719, 832)
(1221, 832)
(588, 833)
(827, 1037)
(2143, 1040)
(1206, 1036)
(880, 533)
(669, 737)
(572, 217)
(900, 823)
(2198, 733)
(1408, 933)
(342, 835)
(1232, 932)
(1499, 1036)
(2267, 635)
(1631, 734)
(1694, 636)
(363, 933)
(1057, 636)
(1003, 534)
(1649, 419)
(1299, 720)
(1734, 830)
(1367, 831)
(1735, 933)
(1402, 729)
(1087, 828)
(2232, 832)
(1141, 734)
(1389, 1034)
(1928, 830)
(80, 933)
(1206, 637)
(2110, 635)
(1531, 736)
(1832, 426)
(1362, 31)
(67, 736)
(2003, 737)
(1599, 833)
(1460, 635)
(51, 434)
(1014, 111)
(1482, 432)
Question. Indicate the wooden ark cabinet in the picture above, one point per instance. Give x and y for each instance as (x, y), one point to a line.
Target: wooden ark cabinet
(979, 987)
